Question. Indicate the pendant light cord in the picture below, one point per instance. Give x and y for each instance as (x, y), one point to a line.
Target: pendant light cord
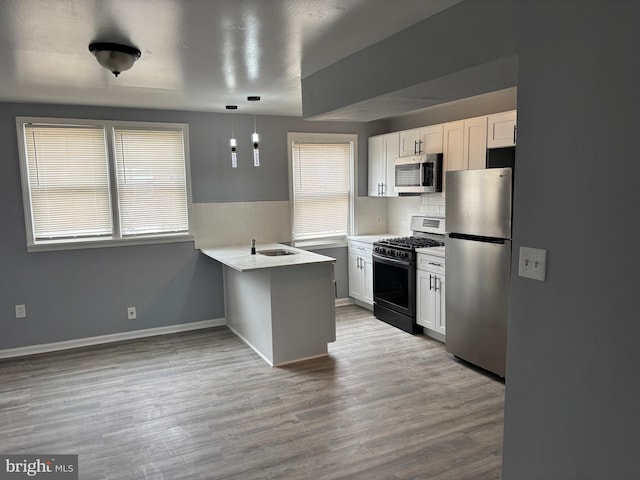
(254, 117)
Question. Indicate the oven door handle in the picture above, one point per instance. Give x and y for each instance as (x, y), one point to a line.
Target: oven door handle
(391, 261)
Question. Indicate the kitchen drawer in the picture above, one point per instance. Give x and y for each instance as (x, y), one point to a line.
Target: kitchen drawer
(360, 248)
(432, 263)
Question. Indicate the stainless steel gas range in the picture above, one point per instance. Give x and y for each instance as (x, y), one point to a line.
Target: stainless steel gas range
(394, 272)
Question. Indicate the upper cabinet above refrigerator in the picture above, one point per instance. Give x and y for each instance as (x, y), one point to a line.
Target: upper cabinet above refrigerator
(502, 130)
(465, 144)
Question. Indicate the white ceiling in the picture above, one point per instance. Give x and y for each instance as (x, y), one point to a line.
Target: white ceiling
(196, 54)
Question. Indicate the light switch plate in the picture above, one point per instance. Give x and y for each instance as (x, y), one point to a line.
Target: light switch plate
(532, 263)
(21, 311)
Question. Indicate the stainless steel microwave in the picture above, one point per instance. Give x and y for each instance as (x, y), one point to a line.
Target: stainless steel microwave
(419, 174)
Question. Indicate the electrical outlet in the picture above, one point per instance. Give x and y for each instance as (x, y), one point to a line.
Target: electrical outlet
(131, 313)
(21, 311)
(533, 263)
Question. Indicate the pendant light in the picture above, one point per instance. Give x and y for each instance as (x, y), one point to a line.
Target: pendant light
(255, 138)
(232, 141)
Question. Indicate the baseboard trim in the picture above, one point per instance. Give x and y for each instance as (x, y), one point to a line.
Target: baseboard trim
(114, 337)
(342, 302)
(250, 345)
(132, 335)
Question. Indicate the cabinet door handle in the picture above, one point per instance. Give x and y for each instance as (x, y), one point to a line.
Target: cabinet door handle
(435, 283)
(384, 187)
(415, 147)
(358, 263)
(515, 133)
(435, 264)
(430, 279)
(379, 189)
(419, 146)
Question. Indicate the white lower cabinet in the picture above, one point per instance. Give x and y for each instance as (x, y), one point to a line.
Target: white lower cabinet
(361, 272)
(430, 287)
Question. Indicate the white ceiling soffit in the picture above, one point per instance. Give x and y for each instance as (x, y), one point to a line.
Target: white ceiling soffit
(196, 54)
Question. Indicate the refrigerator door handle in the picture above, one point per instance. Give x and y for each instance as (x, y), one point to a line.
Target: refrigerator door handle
(477, 238)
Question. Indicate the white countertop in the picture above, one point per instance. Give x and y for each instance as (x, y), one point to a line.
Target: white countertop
(240, 258)
(439, 251)
(370, 238)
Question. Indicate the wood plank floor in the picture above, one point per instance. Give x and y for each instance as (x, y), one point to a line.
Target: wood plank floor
(202, 405)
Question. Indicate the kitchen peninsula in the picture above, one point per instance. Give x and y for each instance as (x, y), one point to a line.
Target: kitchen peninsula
(280, 301)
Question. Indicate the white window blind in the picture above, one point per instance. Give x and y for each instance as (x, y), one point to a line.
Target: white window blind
(151, 177)
(99, 183)
(321, 183)
(68, 176)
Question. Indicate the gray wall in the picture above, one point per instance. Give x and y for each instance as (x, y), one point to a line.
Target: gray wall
(572, 404)
(83, 293)
(572, 399)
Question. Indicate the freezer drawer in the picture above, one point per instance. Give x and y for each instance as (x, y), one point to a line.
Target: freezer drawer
(477, 300)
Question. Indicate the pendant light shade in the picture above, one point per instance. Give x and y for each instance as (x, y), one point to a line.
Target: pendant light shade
(255, 138)
(233, 144)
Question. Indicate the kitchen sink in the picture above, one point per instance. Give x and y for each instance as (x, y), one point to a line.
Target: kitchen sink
(276, 252)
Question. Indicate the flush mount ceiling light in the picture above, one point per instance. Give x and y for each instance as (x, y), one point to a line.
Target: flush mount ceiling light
(255, 138)
(115, 57)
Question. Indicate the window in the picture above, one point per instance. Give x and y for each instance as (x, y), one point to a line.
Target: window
(322, 182)
(91, 183)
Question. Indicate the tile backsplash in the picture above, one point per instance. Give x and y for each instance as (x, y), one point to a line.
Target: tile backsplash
(400, 210)
(235, 223)
(371, 215)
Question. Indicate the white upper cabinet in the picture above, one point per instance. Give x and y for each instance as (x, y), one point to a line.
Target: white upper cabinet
(383, 150)
(465, 144)
(502, 129)
(453, 146)
(376, 165)
(431, 137)
(410, 142)
(475, 143)
(420, 141)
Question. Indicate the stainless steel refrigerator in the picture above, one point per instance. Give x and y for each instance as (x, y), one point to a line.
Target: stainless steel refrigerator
(478, 265)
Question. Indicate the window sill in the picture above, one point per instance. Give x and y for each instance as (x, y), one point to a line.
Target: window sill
(321, 244)
(102, 243)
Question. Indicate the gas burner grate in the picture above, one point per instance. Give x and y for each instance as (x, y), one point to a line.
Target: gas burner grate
(410, 242)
